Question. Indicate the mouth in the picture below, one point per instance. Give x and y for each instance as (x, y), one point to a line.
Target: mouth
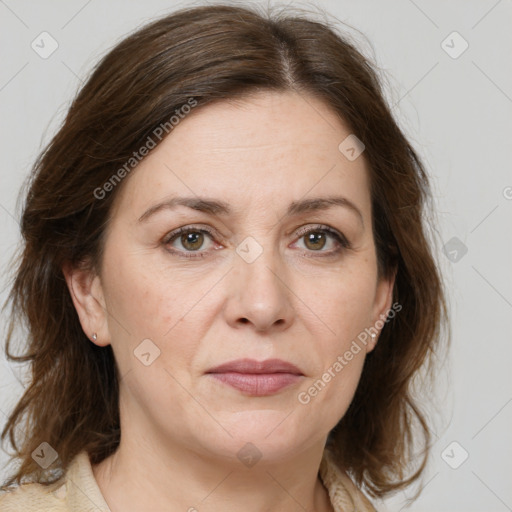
(257, 378)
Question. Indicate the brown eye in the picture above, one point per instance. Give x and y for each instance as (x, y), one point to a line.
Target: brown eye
(315, 240)
(192, 241)
(189, 241)
(323, 240)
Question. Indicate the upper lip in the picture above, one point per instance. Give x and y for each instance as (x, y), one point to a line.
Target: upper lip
(253, 366)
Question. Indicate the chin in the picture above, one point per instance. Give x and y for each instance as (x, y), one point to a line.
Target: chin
(270, 435)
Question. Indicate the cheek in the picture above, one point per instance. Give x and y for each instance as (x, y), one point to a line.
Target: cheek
(142, 296)
(326, 398)
(344, 302)
(149, 302)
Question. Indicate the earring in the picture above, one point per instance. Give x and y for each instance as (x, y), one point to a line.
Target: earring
(94, 337)
(373, 337)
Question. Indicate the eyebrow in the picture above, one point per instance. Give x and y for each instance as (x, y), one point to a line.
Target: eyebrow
(221, 208)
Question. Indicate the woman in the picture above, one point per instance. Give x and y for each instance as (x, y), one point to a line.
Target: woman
(226, 278)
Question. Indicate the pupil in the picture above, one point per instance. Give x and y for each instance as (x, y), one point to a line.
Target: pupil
(190, 240)
(315, 238)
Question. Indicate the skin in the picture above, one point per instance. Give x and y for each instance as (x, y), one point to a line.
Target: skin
(181, 428)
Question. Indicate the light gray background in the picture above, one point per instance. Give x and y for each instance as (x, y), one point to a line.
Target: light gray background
(458, 114)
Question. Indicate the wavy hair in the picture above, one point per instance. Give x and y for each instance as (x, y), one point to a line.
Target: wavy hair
(213, 53)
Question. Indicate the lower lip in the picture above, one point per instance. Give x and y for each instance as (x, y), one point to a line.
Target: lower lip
(258, 384)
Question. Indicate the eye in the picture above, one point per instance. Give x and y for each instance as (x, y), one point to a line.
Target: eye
(316, 238)
(191, 239)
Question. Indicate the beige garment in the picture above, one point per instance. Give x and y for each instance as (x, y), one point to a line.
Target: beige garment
(78, 491)
(344, 495)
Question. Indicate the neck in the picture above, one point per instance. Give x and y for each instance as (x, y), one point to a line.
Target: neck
(140, 476)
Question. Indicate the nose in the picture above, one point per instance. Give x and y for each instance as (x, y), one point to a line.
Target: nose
(258, 294)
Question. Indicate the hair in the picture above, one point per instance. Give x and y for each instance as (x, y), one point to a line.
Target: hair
(215, 53)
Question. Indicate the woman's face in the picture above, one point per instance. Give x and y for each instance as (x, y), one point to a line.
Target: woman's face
(243, 280)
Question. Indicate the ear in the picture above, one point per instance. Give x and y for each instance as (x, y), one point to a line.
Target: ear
(381, 306)
(87, 294)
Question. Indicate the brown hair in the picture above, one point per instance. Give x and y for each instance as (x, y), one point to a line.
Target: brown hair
(213, 53)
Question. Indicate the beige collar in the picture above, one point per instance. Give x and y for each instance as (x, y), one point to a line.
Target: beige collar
(81, 492)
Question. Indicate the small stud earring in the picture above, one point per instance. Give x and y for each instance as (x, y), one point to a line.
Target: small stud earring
(94, 337)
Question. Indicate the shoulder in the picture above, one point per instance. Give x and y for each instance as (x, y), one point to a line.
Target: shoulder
(75, 491)
(33, 497)
(344, 494)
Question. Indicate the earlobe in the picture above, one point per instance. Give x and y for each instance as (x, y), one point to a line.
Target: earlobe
(372, 343)
(87, 295)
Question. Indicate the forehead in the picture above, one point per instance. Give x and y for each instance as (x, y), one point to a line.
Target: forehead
(268, 148)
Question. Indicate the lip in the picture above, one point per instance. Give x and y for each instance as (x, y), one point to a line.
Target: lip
(257, 378)
(256, 367)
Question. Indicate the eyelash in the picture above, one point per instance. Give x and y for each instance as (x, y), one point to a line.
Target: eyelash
(320, 228)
